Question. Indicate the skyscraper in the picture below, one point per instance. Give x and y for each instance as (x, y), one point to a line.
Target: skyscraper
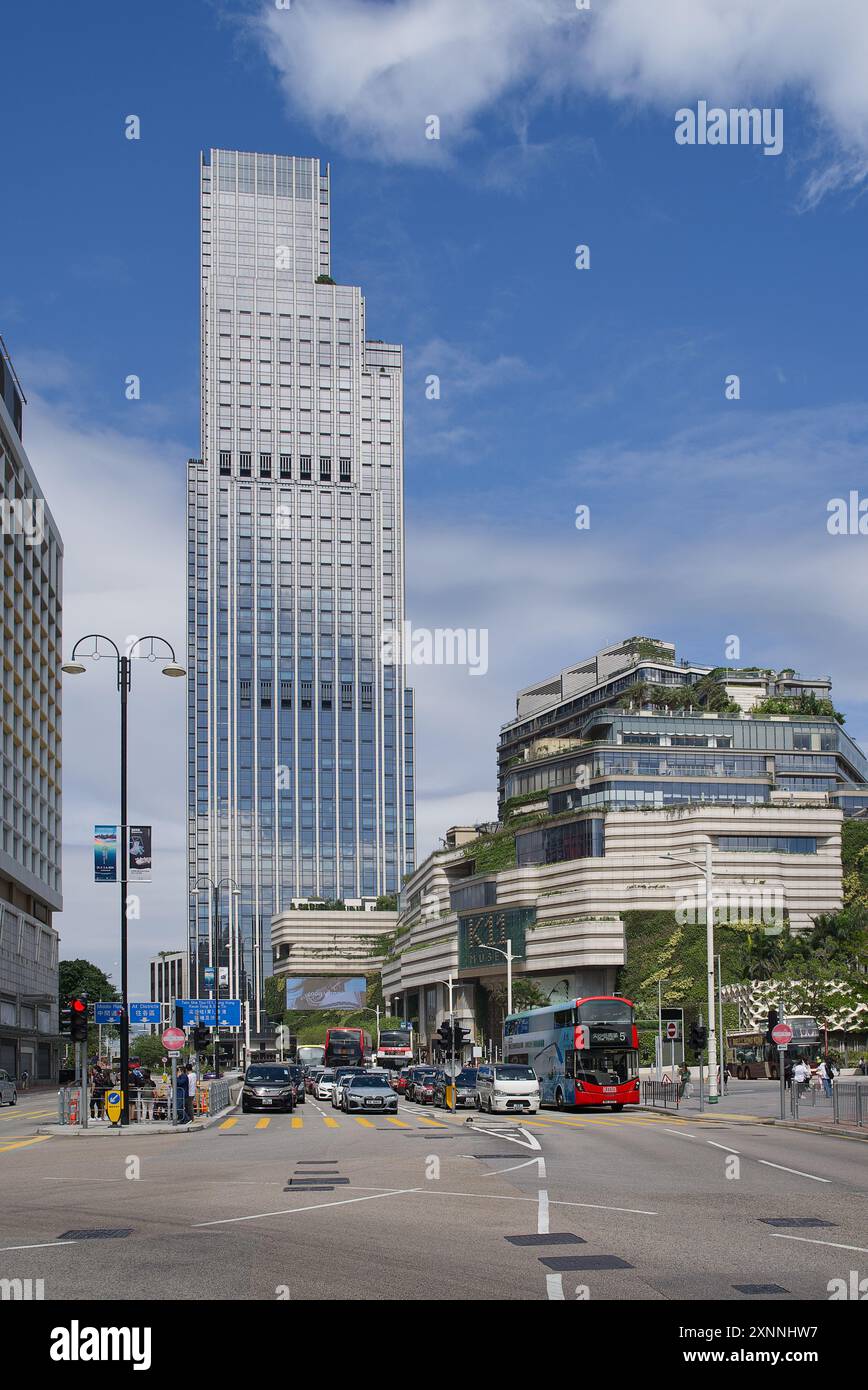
(300, 738)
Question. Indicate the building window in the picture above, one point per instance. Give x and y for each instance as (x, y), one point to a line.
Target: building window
(286, 466)
(225, 461)
(346, 473)
(286, 694)
(325, 470)
(265, 694)
(265, 465)
(304, 463)
(326, 694)
(767, 844)
(367, 695)
(244, 465)
(306, 689)
(346, 695)
(244, 694)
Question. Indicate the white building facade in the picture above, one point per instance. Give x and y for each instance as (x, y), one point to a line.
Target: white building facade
(30, 753)
(300, 738)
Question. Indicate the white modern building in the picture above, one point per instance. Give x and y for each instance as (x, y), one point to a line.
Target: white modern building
(300, 737)
(30, 756)
(168, 973)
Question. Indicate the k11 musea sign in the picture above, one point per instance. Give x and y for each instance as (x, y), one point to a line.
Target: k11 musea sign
(478, 932)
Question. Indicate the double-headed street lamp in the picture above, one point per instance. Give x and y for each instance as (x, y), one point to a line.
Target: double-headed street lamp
(204, 884)
(709, 946)
(74, 667)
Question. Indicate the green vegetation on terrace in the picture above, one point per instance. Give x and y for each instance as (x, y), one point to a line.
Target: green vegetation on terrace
(809, 706)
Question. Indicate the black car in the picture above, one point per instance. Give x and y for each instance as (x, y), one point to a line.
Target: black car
(268, 1086)
(296, 1071)
(465, 1088)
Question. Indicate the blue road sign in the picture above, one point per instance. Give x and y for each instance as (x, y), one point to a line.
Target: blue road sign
(205, 1011)
(144, 1013)
(107, 1013)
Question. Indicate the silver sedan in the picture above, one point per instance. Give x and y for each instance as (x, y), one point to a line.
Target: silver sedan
(8, 1090)
(369, 1094)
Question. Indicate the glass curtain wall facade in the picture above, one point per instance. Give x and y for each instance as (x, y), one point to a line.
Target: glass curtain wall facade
(300, 737)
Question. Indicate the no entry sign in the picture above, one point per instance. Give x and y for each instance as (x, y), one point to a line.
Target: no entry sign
(782, 1034)
(174, 1039)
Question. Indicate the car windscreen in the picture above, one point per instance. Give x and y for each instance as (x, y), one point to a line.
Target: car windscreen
(327, 1076)
(272, 1074)
(514, 1074)
(378, 1083)
(466, 1078)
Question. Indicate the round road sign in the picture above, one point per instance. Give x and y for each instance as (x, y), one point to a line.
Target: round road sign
(782, 1034)
(174, 1039)
(672, 1030)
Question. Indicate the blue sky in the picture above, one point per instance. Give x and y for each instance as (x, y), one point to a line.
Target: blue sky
(559, 387)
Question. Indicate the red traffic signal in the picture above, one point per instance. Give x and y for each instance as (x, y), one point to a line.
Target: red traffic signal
(78, 1020)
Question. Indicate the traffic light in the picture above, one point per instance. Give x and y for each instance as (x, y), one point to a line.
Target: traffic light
(200, 1037)
(772, 1022)
(66, 1018)
(444, 1037)
(179, 1015)
(78, 1019)
(698, 1037)
(461, 1036)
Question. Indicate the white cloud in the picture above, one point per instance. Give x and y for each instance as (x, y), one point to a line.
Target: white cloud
(367, 74)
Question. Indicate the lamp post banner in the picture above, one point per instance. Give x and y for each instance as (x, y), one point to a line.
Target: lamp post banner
(139, 860)
(105, 854)
(479, 931)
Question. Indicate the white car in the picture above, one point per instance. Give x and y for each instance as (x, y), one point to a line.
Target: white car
(8, 1091)
(342, 1080)
(325, 1085)
(507, 1087)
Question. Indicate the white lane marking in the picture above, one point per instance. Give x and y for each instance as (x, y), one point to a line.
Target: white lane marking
(318, 1206)
(555, 1286)
(681, 1132)
(43, 1246)
(725, 1147)
(540, 1162)
(542, 1220)
(862, 1249)
(529, 1141)
(797, 1171)
(497, 1197)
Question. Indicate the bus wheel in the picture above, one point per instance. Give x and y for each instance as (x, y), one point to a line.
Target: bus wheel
(617, 1107)
(559, 1099)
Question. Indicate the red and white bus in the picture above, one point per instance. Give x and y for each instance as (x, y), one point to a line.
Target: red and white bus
(347, 1047)
(394, 1051)
(584, 1051)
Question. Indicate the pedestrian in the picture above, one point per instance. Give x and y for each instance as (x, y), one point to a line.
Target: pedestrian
(825, 1075)
(788, 1072)
(191, 1091)
(97, 1092)
(147, 1092)
(863, 1066)
(684, 1073)
(25, 1077)
(801, 1075)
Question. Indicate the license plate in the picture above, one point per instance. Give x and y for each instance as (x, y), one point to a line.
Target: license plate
(265, 1101)
(373, 1102)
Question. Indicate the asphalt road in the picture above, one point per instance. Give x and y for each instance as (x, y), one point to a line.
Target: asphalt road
(324, 1205)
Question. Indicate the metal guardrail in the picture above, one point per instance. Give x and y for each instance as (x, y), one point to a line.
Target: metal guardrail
(219, 1095)
(850, 1102)
(663, 1093)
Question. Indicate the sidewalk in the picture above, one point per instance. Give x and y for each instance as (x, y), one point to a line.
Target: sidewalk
(759, 1103)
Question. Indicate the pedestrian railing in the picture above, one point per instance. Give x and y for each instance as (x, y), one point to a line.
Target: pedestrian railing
(661, 1093)
(69, 1105)
(218, 1095)
(850, 1102)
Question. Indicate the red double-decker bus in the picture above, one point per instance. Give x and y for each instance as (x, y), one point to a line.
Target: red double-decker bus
(584, 1051)
(347, 1047)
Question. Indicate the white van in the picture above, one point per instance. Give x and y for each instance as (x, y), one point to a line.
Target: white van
(505, 1086)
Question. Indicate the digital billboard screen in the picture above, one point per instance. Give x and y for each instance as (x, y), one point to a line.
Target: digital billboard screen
(326, 992)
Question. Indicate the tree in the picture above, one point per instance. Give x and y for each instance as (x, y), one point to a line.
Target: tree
(83, 977)
(149, 1048)
(526, 994)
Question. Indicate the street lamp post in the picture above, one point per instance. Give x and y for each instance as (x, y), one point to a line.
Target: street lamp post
(706, 869)
(214, 889)
(74, 667)
(507, 955)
